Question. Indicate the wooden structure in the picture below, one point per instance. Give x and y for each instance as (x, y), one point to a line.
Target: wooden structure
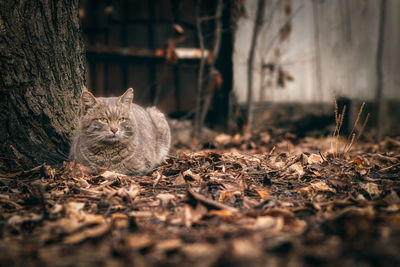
(127, 44)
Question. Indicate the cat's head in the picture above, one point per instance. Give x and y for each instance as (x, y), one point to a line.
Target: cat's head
(107, 119)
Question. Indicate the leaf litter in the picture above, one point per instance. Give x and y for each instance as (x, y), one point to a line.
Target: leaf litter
(250, 200)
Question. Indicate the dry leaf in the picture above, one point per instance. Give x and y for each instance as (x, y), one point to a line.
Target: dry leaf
(139, 241)
(92, 232)
(372, 189)
(221, 213)
(321, 186)
(193, 215)
(223, 139)
(187, 175)
(180, 180)
(273, 224)
(169, 244)
(358, 160)
(245, 247)
(297, 168)
(165, 199)
(226, 195)
(314, 158)
(263, 194)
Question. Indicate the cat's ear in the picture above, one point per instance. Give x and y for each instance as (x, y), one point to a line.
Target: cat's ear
(127, 97)
(88, 101)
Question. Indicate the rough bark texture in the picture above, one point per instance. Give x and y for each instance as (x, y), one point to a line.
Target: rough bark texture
(42, 73)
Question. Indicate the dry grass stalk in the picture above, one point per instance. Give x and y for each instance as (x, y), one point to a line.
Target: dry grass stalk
(347, 147)
(354, 136)
(358, 118)
(339, 122)
(336, 121)
(363, 126)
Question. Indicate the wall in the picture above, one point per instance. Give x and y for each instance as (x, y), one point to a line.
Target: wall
(328, 47)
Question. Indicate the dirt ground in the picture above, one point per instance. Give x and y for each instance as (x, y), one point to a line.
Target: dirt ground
(257, 200)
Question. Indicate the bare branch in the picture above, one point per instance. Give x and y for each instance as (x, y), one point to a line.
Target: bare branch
(256, 30)
(197, 127)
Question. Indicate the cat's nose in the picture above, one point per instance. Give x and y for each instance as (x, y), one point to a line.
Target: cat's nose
(114, 130)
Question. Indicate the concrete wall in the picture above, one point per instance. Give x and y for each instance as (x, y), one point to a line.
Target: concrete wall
(330, 50)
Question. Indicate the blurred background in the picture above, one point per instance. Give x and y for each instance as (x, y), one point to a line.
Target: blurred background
(237, 65)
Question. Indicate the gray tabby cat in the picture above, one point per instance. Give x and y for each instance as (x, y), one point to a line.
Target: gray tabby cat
(120, 136)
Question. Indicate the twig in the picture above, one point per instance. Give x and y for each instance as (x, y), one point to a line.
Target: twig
(322, 156)
(157, 180)
(10, 202)
(206, 18)
(379, 71)
(388, 168)
(210, 202)
(275, 37)
(272, 150)
(172, 157)
(200, 73)
(214, 55)
(256, 30)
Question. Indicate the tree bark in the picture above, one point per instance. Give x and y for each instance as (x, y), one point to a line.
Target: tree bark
(42, 74)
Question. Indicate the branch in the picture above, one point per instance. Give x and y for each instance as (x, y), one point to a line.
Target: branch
(256, 29)
(379, 72)
(215, 51)
(276, 35)
(197, 127)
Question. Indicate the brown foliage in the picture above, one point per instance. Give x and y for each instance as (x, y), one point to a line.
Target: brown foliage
(250, 201)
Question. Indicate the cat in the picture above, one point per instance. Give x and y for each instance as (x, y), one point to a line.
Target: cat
(118, 135)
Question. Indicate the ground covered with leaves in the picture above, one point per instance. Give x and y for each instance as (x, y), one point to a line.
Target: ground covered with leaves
(242, 201)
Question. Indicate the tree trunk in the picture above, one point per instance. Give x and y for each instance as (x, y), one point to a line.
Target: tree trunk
(42, 72)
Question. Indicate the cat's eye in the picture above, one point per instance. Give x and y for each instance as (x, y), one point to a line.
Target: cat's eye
(121, 119)
(104, 120)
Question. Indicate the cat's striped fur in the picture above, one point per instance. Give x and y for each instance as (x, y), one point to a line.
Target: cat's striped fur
(120, 136)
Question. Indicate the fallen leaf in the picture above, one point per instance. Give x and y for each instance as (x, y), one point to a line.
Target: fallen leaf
(226, 195)
(169, 244)
(358, 160)
(180, 180)
(372, 189)
(187, 175)
(223, 139)
(139, 241)
(297, 168)
(92, 232)
(221, 213)
(165, 199)
(203, 252)
(245, 247)
(393, 197)
(322, 187)
(192, 215)
(263, 194)
(273, 224)
(314, 158)
(17, 219)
